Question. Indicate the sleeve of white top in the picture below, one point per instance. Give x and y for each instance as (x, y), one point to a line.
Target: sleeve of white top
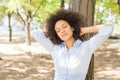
(96, 41)
(40, 37)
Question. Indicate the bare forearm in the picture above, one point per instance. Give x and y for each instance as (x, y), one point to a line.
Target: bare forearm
(93, 29)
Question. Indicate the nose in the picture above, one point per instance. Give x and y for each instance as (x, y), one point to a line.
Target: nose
(62, 31)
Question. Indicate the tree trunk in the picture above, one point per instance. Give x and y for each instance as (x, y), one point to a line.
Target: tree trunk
(0, 58)
(10, 28)
(27, 28)
(62, 4)
(86, 8)
(119, 5)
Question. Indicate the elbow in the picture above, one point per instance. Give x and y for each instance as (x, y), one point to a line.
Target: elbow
(106, 30)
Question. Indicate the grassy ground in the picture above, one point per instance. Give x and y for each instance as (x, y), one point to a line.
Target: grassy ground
(30, 66)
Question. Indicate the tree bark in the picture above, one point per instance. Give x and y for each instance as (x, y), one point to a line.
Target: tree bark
(10, 28)
(0, 58)
(119, 5)
(27, 28)
(62, 4)
(85, 8)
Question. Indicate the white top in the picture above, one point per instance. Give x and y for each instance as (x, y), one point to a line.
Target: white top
(72, 64)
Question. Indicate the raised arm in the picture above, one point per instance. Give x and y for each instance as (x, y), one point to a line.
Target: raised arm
(41, 37)
(103, 32)
(93, 29)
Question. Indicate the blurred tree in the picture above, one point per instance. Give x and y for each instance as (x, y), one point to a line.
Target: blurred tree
(0, 58)
(62, 4)
(9, 25)
(4, 11)
(119, 5)
(29, 9)
(105, 10)
(86, 8)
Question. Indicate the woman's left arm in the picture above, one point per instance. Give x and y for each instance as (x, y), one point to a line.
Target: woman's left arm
(93, 29)
(103, 32)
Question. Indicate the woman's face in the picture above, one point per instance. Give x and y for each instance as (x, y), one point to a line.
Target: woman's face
(64, 30)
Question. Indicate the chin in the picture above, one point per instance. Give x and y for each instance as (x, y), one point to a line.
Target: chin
(65, 40)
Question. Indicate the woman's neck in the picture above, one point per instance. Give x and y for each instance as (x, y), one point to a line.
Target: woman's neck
(69, 43)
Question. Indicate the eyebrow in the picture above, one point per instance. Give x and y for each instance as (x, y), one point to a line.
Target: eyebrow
(61, 25)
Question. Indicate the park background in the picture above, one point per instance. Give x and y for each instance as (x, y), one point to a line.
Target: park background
(22, 58)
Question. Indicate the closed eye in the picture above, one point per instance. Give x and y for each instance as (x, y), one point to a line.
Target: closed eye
(57, 30)
(65, 26)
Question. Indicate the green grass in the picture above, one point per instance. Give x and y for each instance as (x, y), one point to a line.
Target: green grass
(114, 37)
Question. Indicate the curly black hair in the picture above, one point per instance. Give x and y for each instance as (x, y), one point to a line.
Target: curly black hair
(75, 20)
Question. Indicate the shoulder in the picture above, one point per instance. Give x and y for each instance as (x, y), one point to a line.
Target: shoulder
(36, 32)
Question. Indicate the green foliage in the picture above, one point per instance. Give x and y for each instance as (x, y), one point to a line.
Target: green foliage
(66, 1)
(3, 9)
(114, 37)
(112, 6)
(48, 7)
(40, 9)
(105, 9)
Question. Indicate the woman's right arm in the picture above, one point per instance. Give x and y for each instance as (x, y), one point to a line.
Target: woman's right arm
(41, 37)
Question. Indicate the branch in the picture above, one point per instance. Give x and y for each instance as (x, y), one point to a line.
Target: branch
(29, 16)
(38, 8)
(21, 17)
(119, 5)
(119, 2)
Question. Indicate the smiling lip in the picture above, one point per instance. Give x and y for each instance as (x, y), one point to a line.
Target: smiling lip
(63, 35)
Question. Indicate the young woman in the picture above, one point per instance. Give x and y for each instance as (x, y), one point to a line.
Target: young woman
(63, 40)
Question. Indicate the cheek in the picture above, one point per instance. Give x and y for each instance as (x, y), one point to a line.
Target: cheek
(70, 31)
(58, 34)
